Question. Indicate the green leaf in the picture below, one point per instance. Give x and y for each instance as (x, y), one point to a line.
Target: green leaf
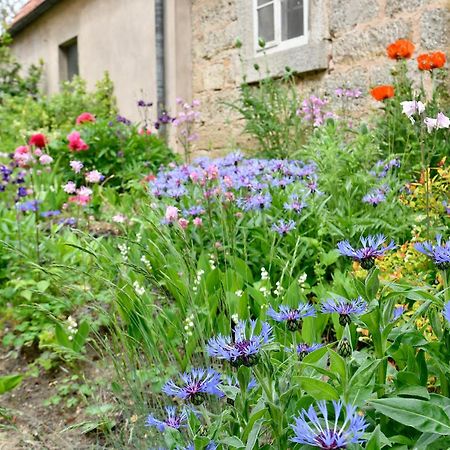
(9, 382)
(61, 336)
(338, 365)
(422, 415)
(81, 336)
(372, 284)
(374, 442)
(253, 436)
(318, 389)
(233, 441)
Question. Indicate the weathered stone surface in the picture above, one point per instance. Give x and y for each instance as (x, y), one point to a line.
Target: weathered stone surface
(345, 14)
(214, 77)
(370, 43)
(397, 6)
(434, 27)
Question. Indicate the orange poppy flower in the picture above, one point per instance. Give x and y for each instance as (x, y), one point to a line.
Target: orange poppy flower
(401, 49)
(382, 92)
(438, 59)
(430, 61)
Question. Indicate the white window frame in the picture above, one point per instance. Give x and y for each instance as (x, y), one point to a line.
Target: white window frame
(277, 44)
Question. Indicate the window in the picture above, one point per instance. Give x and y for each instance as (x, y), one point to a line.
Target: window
(295, 32)
(280, 23)
(69, 60)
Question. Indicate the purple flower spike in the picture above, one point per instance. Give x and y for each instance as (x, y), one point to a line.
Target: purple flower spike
(196, 385)
(305, 349)
(344, 308)
(372, 247)
(173, 420)
(292, 317)
(440, 253)
(244, 349)
(310, 429)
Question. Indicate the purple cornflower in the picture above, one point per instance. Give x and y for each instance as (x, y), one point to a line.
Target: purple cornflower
(122, 119)
(211, 446)
(371, 249)
(243, 348)
(295, 205)
(292, 317)
(173, 420)
(446, 312)
(258, 201)
(440, 253)
(144, 104)
(374, 197)
(304, 349)
(69, 221)
(196, 385)
(312, 430)
(282, 227)
(397, 313)
(344, 308)
(30, 205)
(52, 213)
(22, 192)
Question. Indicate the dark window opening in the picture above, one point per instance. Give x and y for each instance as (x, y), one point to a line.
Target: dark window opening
(69, 60)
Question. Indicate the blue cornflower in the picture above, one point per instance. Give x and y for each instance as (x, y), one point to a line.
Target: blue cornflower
(30, 205)
(173, 420)
(397, 313)
(196, 385)
(52, 213)
(211, 446)
(295, 205)
(446, 312)
(194, 211)
(244, 348)
(344, 308)
(22, 191)
(371, 249)
(440, 253)
(304, 349)
(312, 430)
(292, 317)
(258, 201)
(282, 227)
(374, 197)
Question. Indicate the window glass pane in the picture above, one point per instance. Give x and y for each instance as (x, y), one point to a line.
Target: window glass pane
(266, 23)
(72, 61)
(292, 12)
(263, 2)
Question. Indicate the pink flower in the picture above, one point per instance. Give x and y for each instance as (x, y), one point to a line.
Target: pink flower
(38, 140)
(38, 152)
(76, 144)
(85, 117)
(76, 166)
(81, 200)
(145, 131)
(70, 187)
(198, 222)
(84, 191)
(171, 214)
(94, 176)
(22, 156)
(119, 218)
(45, 159)
(183, 223)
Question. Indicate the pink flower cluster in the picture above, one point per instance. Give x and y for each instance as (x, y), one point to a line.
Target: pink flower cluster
(312, 111)
(171, 216)
(187, 118)
(24, 156)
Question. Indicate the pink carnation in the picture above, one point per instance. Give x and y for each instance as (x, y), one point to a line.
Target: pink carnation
(183, 223)
(76, 144)
(45, 159)
(198, 222)
(76, 166)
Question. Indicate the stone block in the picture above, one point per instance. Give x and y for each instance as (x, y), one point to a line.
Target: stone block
(346, 14)
(434, 29)
(398, 6)
(214, 77)
(369, 43)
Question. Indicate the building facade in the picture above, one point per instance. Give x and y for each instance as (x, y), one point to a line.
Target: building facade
(189, 49)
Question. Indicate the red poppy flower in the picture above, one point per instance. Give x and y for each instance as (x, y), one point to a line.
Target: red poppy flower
(38, 140)
(401, 49)
(430, 61)
(382, 92)
(438, 59)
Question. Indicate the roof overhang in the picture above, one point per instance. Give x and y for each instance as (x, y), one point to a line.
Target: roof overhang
(24, 17)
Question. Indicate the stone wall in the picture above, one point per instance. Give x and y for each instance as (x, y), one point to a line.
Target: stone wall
(359, 31)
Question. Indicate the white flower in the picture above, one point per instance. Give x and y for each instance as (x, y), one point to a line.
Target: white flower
(441, 121)
(235, 318)
(239, 293)
(302, 278)
(140, 290)
(119, 218)
(70, 187)
(264, 274)
(412, 107)
(76, 166)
